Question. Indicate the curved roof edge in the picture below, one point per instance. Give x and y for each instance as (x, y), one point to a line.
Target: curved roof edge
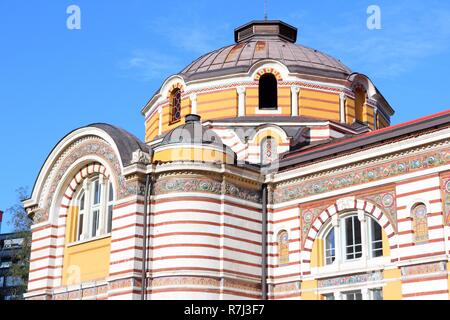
(125, 144)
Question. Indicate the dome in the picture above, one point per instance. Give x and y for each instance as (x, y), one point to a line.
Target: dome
(192, 132)
(262, 40)
(193, 142)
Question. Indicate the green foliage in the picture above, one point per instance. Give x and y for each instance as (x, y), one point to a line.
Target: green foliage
(21, 225)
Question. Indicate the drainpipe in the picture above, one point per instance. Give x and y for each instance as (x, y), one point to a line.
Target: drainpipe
(264, 242)
(148, 192)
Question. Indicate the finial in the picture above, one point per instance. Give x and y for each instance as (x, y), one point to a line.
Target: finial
(265, 10)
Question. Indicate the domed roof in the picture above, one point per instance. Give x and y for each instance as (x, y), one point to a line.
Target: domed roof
(192, 132)
(261, 40)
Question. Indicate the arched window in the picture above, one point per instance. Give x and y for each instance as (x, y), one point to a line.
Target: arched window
(268, 92)
(95, 208)
(420, 221)
(269, 150)
(354, 235)
(283, 247)
(360, 101)
(175, 105)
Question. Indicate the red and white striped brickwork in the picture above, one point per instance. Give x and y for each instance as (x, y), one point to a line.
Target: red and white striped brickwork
(421, 186)
(48, 240)
(126, 249)
(204, 246)
(425, 190)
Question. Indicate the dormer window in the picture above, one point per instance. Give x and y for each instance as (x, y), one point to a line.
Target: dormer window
(268, 92)
(175, 105)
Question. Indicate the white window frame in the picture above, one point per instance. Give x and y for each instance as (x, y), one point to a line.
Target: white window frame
(344, 245)
(81, 212)
(366, 291)
(90, 207)
(340, 241)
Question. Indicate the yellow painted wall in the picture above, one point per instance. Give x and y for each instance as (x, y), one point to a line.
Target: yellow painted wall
(393, 289)
(309, 290)
(224, 104)
(350, 110)
(212, 105)
(192, 154)
(386, 246)
(317, 254)
(86, 262)
(448, 268)
(319, 105)
(78, 260)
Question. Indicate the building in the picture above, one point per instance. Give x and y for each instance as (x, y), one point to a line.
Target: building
(270, 170)
(10, 243)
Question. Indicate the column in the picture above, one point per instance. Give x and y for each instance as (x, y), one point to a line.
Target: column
(365, 294)
(364, 236)
(103, 204)
(295, 90)
(160, 121)
(342, 99)
(193, 98)
(87, 209)
(337, 240)
(241, 101)
(375, 118)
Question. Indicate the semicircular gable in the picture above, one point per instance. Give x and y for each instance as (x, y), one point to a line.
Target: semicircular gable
(111, 146)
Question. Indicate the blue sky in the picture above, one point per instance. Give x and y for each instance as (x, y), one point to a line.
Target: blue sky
(53, 80)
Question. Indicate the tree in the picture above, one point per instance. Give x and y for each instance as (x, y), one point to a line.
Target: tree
(21, 259)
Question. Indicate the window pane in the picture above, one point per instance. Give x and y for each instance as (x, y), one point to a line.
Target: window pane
(110, 212)
(330, 252)
(97, 192)
(377, 294)
(329, 296)
(349, 231)
(176, 105)
(80, 226)
(95, 222)
(111, 193)
(349, 239)
(353, 295)
(376, 240)
(82, 202)
(268, 92)
(357, 226)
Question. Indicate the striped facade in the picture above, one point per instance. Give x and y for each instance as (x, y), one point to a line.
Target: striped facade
(252, 203)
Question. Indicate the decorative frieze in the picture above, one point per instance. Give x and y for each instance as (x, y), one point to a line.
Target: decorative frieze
(424, 269)
(330, 181)
(179, 184)
(350, 280)
(196, 184)
(183, 281)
